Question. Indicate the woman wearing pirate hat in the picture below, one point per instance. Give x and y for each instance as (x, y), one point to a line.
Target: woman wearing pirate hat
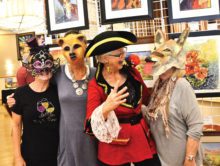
(37, 109)
(115, 97)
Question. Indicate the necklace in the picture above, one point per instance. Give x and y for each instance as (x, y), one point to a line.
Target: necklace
(79, 90)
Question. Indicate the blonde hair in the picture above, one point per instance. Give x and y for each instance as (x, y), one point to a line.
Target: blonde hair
(178, 73)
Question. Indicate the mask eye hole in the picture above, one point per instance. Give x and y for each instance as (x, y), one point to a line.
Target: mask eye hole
(48, 63)
(76, 46)
(37, 64)
(167, 50)
(67, 48)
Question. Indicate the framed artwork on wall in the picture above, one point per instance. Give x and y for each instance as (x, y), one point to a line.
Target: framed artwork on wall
(203, 63)
(192, 10)
(40, 39)
(211, 147)
(143, 51)
(115, 11)
(65, 15)
(22, 47)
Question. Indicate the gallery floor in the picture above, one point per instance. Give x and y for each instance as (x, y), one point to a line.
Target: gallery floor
(6, 145)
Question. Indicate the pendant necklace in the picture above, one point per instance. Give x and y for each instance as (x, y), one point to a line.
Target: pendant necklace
(79, 90)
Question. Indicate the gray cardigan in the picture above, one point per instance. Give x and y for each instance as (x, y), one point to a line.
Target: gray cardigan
(184, 120)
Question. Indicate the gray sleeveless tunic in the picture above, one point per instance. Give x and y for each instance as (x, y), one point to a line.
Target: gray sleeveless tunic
(76, 148)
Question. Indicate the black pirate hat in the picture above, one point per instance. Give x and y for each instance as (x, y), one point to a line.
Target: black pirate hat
(109, 41)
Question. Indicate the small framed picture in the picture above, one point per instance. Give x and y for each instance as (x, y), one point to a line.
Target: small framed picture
(143, 51)
(8, 82)
(22, 47)
(191, 10)
(65, 15)
(211, 146)
(115, 11)
(40, 39)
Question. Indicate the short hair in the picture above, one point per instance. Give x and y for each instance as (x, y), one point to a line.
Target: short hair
(72, 31)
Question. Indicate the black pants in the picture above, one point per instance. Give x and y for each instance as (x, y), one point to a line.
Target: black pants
(149, 162)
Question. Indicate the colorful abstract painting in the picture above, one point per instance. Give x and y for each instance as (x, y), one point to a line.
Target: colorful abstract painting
(212, 154)
(142, 65)
(65, 11)
(194, 4)
(125, 4)
(202, 62)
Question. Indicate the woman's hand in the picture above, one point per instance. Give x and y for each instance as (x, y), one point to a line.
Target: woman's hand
(10, 100)
(114, 99)
(19, 161)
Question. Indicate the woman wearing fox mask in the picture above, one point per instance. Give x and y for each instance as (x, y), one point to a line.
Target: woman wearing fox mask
(173, 112)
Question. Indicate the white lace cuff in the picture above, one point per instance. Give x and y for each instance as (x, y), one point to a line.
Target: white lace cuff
(104, 130)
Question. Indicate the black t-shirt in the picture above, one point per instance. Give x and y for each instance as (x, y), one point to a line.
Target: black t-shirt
(40, 116)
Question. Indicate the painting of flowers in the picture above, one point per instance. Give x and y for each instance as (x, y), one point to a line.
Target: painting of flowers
(202, 62)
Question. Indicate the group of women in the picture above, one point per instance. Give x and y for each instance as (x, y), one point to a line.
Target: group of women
(114, 117)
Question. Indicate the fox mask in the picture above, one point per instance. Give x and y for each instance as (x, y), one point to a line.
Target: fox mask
(73, 46)
(168, 53)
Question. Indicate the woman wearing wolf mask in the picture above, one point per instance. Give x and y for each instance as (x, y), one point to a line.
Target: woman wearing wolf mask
(173, 111)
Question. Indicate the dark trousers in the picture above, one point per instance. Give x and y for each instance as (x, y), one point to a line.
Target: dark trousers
(149, 162)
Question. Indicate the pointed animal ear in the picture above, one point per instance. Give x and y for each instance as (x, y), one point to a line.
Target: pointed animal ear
(183, 37)
(159, 38)
(81, 37)
(60, 41)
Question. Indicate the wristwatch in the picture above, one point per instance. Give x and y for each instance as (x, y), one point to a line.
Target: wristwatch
(190, 157)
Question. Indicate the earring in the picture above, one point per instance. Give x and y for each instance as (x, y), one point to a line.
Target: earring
(108, 68)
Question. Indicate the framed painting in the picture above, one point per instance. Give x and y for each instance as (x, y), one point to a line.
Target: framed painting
(193, 10)
(143, 51)
(8, 82)
(22, 47)
(211, 147)
(203, 63)
(65, 15)
(40, 39)
(115, 11)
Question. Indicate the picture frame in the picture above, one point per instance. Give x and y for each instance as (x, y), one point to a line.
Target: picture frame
(203, 72)
(64, 16)
(143, 51)
(186, 11)
(211, 149)
(22, 47)
(40, 39)
(113, 12)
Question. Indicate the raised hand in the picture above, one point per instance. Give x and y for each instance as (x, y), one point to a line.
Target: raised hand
(114, 99)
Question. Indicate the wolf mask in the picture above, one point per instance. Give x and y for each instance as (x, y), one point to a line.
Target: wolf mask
(168, 53)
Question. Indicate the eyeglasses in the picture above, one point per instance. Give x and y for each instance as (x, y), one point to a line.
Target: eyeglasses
(120, 54)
